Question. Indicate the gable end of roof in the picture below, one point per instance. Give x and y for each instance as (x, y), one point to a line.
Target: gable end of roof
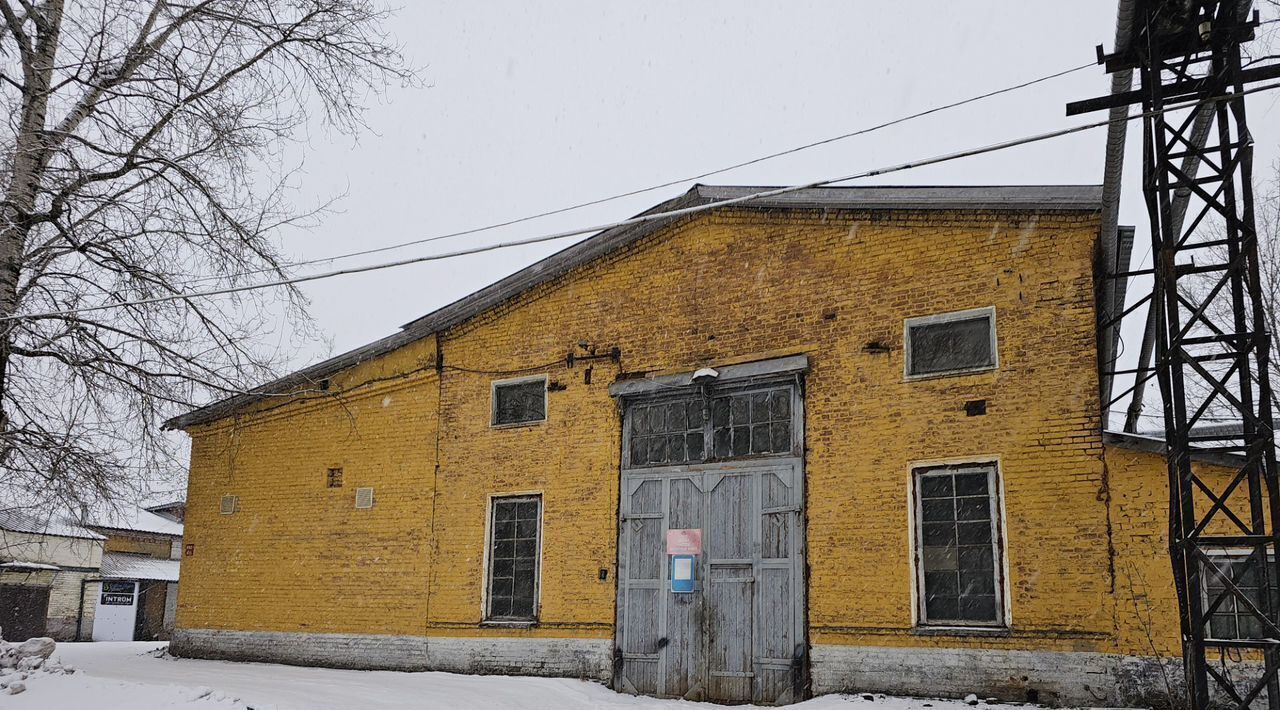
(1017, 198)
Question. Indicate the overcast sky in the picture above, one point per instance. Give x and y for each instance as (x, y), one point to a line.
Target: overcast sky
(533, 106)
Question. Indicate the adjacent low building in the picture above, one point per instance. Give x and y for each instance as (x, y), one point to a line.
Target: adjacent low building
(114, 578)
(48, 569)
(838, 439)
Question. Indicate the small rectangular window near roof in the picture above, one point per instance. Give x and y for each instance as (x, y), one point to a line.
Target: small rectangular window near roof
(520, 401)
(951, 343)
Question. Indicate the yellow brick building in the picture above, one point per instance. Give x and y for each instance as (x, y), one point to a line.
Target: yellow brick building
(878, 407)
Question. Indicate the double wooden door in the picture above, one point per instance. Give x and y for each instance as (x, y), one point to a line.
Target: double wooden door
(739, 636)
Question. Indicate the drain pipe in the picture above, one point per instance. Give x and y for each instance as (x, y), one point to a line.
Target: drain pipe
(1177, 213)
(1109, 237)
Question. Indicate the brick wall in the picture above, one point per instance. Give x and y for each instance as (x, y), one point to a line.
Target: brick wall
(137, 543)
(733, 286)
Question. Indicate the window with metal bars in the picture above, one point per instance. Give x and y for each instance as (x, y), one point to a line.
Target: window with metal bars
(959, 546)
(752, 423)
(667, 432)
(514, 548)
(741, 424)
(1232, 620)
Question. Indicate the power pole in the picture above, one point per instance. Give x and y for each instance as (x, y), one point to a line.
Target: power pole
(1211, 345)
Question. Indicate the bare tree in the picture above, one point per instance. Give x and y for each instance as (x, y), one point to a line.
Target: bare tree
(143, 156)
(1218, 302)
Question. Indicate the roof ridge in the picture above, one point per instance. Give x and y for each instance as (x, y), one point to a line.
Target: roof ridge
(944, 197)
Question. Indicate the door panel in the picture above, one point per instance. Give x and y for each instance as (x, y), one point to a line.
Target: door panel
(739, 637)
(23, 611)
(730, 662)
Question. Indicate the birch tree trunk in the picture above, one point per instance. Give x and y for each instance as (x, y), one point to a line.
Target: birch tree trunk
(144, 157)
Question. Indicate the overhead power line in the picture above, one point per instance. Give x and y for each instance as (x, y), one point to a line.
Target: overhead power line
(669, 183)
(911, 165)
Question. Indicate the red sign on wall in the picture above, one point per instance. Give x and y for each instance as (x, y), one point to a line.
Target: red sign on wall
(684, 541)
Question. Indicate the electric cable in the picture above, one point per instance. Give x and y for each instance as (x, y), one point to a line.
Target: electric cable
(659, 186)
(642, 219)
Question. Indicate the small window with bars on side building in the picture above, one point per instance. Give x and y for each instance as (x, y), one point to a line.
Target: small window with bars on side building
(514, 550)
(229, 504)
(1232, 620)
(522, 401)
(333, 478)
(951, 343)
(959, 546)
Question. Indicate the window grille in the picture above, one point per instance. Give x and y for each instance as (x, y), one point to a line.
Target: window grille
(1231, 620)
(752, 423)
(959, 546)
(743, 423)
(513, 558)
(364, 498)
(667, 432)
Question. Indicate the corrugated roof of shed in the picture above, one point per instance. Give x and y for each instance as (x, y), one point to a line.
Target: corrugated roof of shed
(19, 520)
(123, 565)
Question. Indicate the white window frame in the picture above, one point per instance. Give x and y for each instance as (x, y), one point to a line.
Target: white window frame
(493, 401)
(1205, 575)
(487, 569)
(971, 314)
(995, 493)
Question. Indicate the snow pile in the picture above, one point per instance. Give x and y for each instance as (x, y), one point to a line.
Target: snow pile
(28, 666)
(14, 680)
(45, 691)
(18, 660)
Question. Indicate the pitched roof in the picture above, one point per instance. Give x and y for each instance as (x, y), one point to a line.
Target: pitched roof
(124, 565)
(19, 520)
(134, 519)
(1013, 198)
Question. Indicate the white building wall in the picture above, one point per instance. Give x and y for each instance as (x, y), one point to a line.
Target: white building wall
(170, 608)
(50, 549)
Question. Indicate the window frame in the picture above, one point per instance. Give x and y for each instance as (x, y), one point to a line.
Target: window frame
(989, 312)
(487, 560)
(1233, 553)
(790, 381)
(493, 401)
(999, 569)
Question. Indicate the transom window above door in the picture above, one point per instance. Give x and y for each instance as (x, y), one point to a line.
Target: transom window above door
(692, 428)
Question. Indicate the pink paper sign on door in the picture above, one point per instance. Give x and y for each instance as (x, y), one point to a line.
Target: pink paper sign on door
(686, 541)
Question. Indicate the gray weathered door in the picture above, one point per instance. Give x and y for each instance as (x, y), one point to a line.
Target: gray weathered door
(739, 637)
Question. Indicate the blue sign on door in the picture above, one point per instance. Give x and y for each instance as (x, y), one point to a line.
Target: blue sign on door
(683, 573)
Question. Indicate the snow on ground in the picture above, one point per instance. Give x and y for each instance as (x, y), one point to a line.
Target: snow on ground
(131, 676)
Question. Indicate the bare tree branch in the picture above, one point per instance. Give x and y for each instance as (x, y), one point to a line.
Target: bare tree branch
(143, 152)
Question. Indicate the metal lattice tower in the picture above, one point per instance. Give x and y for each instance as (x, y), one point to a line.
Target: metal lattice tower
(1211, 346)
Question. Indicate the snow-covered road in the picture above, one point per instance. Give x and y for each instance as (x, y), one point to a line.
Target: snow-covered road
(128, 676)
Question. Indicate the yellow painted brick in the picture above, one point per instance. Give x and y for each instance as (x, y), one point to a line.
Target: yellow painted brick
(735, 285)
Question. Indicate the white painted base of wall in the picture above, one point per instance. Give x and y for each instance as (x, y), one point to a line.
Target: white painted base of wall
(1057, 678)
(1053, 678)
(561, 657)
